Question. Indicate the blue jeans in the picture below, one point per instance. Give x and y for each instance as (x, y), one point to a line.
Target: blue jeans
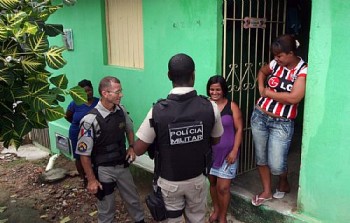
(272, 138)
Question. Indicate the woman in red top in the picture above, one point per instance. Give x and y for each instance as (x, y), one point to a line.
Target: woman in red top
(281, 86)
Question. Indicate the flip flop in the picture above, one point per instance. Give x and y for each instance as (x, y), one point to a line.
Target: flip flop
(279, 194)
(257, 201)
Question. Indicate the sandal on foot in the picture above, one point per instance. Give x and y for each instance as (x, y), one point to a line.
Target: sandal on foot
(279, 194)
(257, 201)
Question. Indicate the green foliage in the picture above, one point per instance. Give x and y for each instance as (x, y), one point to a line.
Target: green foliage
(29, 94)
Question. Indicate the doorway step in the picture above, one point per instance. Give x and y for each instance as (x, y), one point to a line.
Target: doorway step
(248, 184)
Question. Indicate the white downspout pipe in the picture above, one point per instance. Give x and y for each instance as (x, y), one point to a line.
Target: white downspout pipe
(51, 162)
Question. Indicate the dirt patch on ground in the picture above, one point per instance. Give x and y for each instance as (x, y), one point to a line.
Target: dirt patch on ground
(24, 198)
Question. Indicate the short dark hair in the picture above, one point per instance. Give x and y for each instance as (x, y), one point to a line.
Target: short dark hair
(85, 83)
(106, 82)
(284, 44)
(217, 79)
(181, 68)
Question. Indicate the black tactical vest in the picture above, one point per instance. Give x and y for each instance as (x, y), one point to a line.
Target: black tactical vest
(183, 124)
(109, 146)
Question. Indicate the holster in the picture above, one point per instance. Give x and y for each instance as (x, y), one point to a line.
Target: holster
(156, 205)
(208, 162)
(107, 188)
(154, 200)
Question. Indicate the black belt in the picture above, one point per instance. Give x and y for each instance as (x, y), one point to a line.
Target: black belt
(174, 214)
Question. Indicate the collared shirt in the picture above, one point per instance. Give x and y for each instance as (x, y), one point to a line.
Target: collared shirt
(85, 139)
(147, 134)
(282, 79)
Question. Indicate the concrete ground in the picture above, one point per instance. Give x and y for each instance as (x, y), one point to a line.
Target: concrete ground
(247, 185)
(35, 152)
(244, 186)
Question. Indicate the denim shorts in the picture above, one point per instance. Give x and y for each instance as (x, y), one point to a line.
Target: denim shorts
(226, 171)
(272, 138)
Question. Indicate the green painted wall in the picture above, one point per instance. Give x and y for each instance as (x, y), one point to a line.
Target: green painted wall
(170, 27)
(324, 192)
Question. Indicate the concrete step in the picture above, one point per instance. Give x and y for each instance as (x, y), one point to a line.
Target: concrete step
(273, 211)
(245, 186)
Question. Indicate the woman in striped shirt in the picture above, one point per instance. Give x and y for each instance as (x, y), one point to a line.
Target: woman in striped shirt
(281, 86)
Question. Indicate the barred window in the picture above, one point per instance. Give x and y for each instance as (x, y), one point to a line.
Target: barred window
(125, 33)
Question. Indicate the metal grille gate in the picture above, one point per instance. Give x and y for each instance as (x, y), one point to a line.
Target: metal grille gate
(249, 28)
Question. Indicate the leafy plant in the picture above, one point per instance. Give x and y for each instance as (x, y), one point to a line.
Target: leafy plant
(29, 94)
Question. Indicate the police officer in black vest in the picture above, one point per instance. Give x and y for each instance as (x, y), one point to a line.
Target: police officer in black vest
(103, 153)
(183, 126)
